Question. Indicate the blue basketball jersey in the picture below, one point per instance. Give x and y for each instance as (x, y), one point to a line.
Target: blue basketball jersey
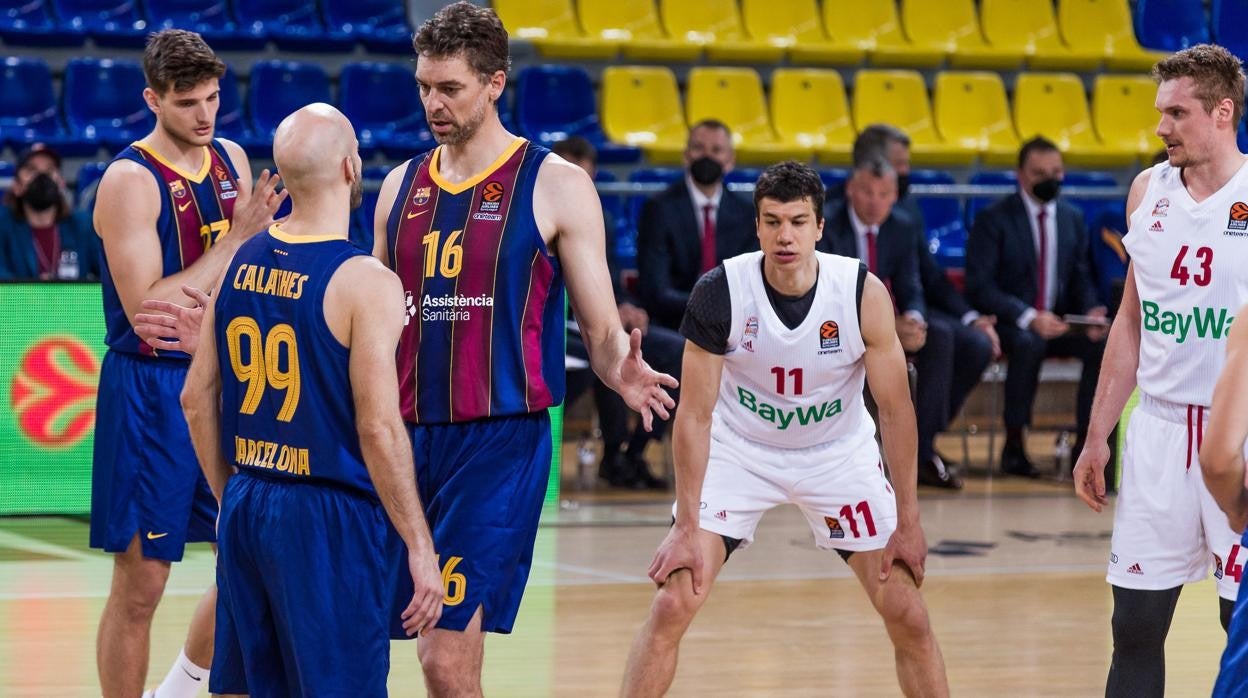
(195, 210)
(286, 403)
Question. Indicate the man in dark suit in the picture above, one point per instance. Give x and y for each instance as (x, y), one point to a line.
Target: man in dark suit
(692, 227)
(960, 341)
(662, 347)
(1026, 263)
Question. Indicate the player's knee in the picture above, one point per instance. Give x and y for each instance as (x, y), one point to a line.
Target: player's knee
(1137, 631)
(674, 606)
(446, 671)
(138, 599)
(906, 617)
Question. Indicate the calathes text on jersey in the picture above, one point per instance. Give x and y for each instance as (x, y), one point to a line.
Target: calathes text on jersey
(1205, 323)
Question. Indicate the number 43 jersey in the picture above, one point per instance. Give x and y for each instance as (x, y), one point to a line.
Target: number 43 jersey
(484, 331)
(1191, 272)
(800, 387)
(287, 409)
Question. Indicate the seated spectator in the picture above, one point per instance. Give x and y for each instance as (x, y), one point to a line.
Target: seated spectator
(692, 227)
(663, 349)
(1027, 264)
(41, 236)
(960, 341)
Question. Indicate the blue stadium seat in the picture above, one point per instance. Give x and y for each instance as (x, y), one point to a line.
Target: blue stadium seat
(109, 22)
(1171, 25)
(554, 102)
(232, 122)
(1088, 179)
(743, 175)
(613, 203)
(294, 25)
(626, 243)
(382, 101)
(975, 204)
(88, 177)
(1108, 256)
(1229, 19)
(362, 218)
(1242, 137)
(946, 232)
(104, 102)
(381, 25)
(833, 180)
(278, 88)
(210, 18)
(31, 23)
(28, 111)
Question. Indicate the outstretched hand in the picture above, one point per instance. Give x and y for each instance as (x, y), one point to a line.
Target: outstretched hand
(172, 327)
(642, 387)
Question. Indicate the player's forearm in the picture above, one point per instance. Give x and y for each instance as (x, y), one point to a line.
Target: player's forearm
(691, 444)
(203, 274)
(1117, 380)
(901, 442)
(1223, 470)
(388, 457)
(607, 344)
(204, 422)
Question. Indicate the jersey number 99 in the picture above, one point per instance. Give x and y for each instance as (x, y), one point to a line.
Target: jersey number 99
(264, 365)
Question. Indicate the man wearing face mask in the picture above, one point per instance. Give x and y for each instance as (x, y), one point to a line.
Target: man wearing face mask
(691, 227)
(1026, 263)
(41, 236)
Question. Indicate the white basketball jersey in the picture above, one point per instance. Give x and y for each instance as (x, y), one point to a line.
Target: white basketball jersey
(793, 388)
(1191, 271)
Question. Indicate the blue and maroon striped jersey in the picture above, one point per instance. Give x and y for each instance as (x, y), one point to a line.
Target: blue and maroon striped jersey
(195, 210)
(484, 329)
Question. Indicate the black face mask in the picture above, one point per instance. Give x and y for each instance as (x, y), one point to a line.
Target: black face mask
(1047, 189)
(41, 193)
(706, 170)
(903, 186)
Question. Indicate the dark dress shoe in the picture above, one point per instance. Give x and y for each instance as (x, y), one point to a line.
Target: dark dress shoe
(934, 473)
(615, 470)
(639, 475)
(1014, 462)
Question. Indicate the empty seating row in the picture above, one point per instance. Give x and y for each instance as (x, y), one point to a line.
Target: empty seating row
(334, 25)
(1002, 34)
(1171, 25)
(969, 118)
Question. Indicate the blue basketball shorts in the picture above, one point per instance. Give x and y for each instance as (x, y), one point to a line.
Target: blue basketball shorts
(482, 485)
(145, 478)
(303, 591)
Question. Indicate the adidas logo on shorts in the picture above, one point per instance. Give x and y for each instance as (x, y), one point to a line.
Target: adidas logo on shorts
(1156, 227)
(1135, 569)
(722, 515)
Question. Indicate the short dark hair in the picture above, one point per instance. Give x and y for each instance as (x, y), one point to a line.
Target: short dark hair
(1038, 144)
(575, 148)
(790, 181)
(711, 123)
(463, 29)
(1218, 75)
(873, 142)
(876, 165)
(179, 59)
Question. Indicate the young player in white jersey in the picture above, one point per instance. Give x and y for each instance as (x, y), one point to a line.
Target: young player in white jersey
(779, 344)
(1188, 237)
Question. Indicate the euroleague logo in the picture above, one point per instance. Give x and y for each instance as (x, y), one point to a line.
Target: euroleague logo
(53, 392)
(829, 335)
(1238, 219)
(491, 197)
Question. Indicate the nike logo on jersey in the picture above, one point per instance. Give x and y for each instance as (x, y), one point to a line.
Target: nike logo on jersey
(183, 207)
(416, 214)
(154, 536)
(1207, 323)
(782, 418)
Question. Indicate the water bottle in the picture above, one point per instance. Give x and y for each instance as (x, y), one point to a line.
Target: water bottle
(1062, 453)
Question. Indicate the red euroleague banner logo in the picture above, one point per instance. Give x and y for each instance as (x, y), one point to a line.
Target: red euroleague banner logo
(55, 408)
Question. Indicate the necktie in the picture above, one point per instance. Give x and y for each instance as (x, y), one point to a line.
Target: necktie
(871, 251)
(1042, 267)
(709, 258)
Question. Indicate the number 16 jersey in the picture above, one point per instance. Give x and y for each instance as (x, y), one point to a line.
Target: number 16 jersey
(1191, 271)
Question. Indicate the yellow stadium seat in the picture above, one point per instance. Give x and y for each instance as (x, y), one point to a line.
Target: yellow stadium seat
(1124, 113)
(795, 25)
(551, 26)
(809, 108)
(633, 25)
(873, 26)
(1030, 27)
(951, 26)
(1053, 105)
(973, 112)
(735, 97)
(641, 107)
(899, 97)
(1104, 26)
(716, 24)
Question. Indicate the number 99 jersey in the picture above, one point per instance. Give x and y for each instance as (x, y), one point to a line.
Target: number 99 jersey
(286, 404)
(1188, 260)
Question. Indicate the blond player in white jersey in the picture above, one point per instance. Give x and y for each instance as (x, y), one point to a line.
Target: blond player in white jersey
(779, 344)
(1188, 240)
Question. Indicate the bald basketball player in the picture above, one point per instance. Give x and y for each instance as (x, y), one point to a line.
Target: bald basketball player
(296, 423)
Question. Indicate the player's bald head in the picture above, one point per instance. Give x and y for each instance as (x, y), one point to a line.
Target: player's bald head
(310, 146)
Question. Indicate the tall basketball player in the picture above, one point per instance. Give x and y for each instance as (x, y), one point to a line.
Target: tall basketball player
(778, 345)
(164, 207)
(1188, 225)
(482, 232)
(294, 412)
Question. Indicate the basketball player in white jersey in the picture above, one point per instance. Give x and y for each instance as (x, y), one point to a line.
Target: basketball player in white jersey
(779, 343)
(1188, 239)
